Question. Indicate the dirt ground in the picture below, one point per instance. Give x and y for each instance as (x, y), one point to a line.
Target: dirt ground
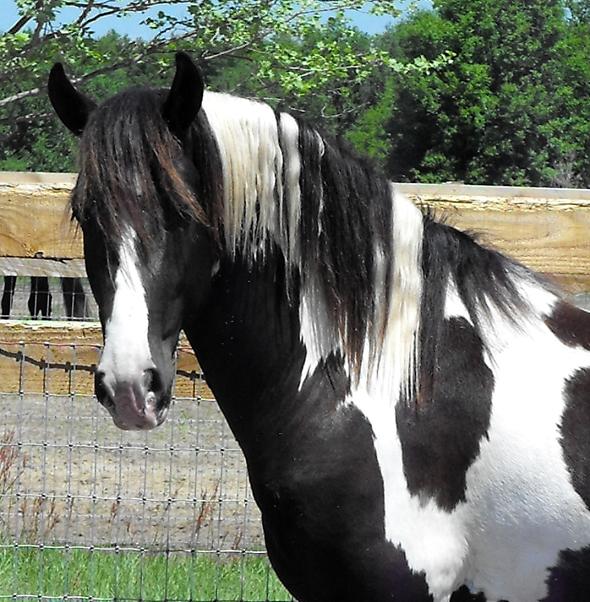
(70, 476)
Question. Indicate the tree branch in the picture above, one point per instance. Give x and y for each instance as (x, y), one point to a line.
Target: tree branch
(28, 118)
(138, 58)
(228, 51)
(19, 24)
(85, 11)
(20, 96)
(106, 8)
(24, 19)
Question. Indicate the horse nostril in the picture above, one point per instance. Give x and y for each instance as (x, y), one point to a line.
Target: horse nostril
(99, 380)
(100, 388)
(152, 380)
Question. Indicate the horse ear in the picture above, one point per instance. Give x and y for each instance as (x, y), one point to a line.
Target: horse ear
(71, 106)
(186, 95)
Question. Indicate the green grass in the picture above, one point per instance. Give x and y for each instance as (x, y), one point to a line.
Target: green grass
(81, 574)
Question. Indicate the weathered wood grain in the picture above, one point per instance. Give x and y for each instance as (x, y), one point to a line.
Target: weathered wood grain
(59, 358)
(546, 229)
(35, 222)
(553, 241)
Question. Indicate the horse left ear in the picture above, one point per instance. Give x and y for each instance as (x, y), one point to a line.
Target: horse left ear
(71, 106)
(185, 96)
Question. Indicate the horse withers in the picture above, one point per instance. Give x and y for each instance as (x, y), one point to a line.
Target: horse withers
(414, 408)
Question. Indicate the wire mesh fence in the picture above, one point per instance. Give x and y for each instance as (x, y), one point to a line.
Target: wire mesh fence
(88, 512)
(91, 513)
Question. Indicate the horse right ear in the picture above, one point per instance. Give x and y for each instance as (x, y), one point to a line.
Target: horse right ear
(185, 97)
(71, 106)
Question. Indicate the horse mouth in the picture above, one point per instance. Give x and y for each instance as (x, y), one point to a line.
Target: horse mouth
(134, 410)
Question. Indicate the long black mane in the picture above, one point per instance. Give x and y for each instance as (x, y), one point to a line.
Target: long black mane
(134, 170)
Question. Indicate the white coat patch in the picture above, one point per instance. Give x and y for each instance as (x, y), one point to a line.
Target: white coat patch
(521, 508)
(126, 354)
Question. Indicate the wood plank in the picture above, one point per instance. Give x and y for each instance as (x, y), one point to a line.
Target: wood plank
(546, 229)
(59, 358)
(35, 221)
(554, 242)
(31, 266)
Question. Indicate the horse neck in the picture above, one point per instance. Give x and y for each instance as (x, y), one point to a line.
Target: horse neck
(247, 340)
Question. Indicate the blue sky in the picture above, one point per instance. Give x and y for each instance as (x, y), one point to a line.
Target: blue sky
(131, 24)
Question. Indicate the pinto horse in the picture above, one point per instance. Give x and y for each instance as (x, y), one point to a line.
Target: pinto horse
(414, 408)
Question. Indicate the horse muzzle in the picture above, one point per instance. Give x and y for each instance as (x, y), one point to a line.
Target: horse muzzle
(134, 405)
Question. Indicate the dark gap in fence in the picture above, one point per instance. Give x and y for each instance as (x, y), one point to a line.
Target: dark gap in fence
(45, 288)
(42, 301)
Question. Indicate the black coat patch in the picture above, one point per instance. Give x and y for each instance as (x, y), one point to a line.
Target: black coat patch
(311, 460)
(440, 439)
(569, 581)
(464, 595)
(575, 432)
(570, 324)
(323, 513)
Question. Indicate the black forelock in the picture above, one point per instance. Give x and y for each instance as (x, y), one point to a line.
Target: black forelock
(130, 168)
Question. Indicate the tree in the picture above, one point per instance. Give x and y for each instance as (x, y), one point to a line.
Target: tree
(510, 107)
(287, 49)
(579, 10)
(31, 138)
(569, 127)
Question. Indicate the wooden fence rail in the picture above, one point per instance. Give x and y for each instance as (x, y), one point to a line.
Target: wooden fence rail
(59, 358)
(546, 229)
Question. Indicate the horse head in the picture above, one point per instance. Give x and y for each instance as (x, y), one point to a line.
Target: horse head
(147, 244)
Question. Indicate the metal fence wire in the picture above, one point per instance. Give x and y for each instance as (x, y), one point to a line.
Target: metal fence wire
(88, 512)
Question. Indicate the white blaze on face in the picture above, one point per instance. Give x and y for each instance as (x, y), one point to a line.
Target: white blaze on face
(126, 352)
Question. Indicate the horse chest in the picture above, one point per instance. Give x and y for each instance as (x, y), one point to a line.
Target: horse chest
(504, 525)
(322, 502)
(336, 497)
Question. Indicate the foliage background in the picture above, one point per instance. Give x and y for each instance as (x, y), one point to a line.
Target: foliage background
(480, 91)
